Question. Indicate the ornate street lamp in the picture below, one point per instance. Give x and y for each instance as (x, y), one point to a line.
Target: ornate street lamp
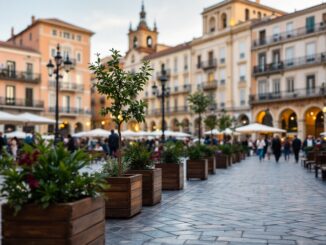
(55, 69)
(163, 78)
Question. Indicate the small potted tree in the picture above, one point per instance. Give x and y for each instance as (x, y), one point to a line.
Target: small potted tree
(197, 165)
(141, 163)
(122, 88)
(172, 166)
(223, 155)
(209, 154)
(211, 123)
(50, 199)
(198, 104)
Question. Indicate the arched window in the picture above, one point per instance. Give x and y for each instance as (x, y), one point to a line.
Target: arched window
(224, 20)
(259, 15)
(135, 42)
(247, 14)
(212, 24)
(149, 42)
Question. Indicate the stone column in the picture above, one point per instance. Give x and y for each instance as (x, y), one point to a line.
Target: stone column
(301, 129)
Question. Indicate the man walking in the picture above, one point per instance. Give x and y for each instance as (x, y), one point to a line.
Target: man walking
(276, 146)
(296, 146)
(113, 143)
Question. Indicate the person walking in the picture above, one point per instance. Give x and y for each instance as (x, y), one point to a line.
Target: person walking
(269, 148)
(276, 146)
(113, 143)
(14, 147)
(287, 149)
(296, 146)
(260, 148)
(71, 144)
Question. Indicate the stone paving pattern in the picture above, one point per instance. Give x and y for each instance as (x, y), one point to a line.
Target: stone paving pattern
(249, 203)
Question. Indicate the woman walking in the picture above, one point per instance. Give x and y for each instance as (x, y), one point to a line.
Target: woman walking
(260, 148)
(287, 149)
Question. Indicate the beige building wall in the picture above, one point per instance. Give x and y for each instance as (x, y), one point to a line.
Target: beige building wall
(291, 83)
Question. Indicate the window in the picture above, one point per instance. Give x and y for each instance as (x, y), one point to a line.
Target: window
(79, 59)
(212, 24)
(222, 99)
(310, 52)
(247, 14)
(310, 84)
(66, 103)
(79, 78)
(175, 104)
(199, 81)
(29, 97)
(289, 56)
(52, 100)
(242, 96)
(222, 55)
(324, 17)
(224, 21)
(175, 65)
(29, 71)
(242, 73)
(310, 24)
(262, 61)
(262, 37)
(276, 86)
(66, 35)
(10, 95)
(290, 84)
(242, 50)
(211, 77)
(222, 76)
(198, 61)
(79, 38)
(259, 15)
(149, 42)
(66, 52)
(135, 42)
(276, 33)
(211, 58)
(30, 36)
(175, 85)
(276, 57)
(186, 62)
(78, 103)
(53, 52)
(54, 32)
(11, 66)
(289, 29)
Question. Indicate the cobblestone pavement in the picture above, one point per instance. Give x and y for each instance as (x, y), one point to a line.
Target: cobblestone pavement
(249, 203)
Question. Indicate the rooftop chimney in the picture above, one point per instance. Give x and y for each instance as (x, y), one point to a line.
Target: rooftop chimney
(258, 1)
(12, 31)
(33, 19)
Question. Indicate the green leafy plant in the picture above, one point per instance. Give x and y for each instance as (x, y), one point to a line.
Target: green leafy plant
(224, 121)
(138, 156)
(47, 175)
(111, 167)
(208, 151)
(198, 104)
(195, 152)
(225, 149)
(211, 123)
(122, 89)
(173, 152)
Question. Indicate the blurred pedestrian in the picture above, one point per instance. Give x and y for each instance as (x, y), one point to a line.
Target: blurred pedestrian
(287, 149)
(14, 147)
(277, 146)
(296, 146)
(113, 143)
(260, 148)
(71, 146)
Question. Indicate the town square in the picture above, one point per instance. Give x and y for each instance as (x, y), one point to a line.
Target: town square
(163, 122)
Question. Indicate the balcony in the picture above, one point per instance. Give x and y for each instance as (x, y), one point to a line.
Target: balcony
(285, 96)
(168, 111)
(14, 103)
(5, 74)
(67, 87)
(70, 111)
(186, 88)
(159, 74)
(281, 66)
(286, 36)
(209, 64)
(210, 85)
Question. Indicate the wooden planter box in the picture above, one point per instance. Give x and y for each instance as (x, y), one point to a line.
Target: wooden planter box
(222, 161)
(76, 223)
(197, 169)
(211, 165)
(152, 185)
(124, 197)
(172, 175)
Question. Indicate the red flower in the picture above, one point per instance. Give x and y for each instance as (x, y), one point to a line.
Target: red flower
(32, 182)
(29, 158)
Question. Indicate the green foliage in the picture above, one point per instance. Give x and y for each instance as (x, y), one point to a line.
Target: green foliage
(224, 121)
(211, 122)
(46, 175)
(138, 156)
(173, 152)
(195, 152)
(122, 89)
(111, 167)
(208, 151)
(199, 102)
(225, 149)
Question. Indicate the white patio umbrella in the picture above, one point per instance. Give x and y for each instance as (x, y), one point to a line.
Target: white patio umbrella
(35, 119)
(258, 128)
(10, 118)
(129, 134)
(93, 133)
(227, 131)
(214, 132)
(17, 134)
(168, 133)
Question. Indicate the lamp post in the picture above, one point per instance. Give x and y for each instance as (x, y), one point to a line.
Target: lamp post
(163, 78)
(54, 69)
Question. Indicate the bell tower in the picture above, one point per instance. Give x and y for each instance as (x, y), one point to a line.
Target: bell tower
(143, 38)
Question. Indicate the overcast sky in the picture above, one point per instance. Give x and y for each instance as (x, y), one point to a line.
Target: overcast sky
(177, 20)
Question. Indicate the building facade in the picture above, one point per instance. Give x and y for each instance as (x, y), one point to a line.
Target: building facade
(289, 71)
(218, 63)
(43, 36)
